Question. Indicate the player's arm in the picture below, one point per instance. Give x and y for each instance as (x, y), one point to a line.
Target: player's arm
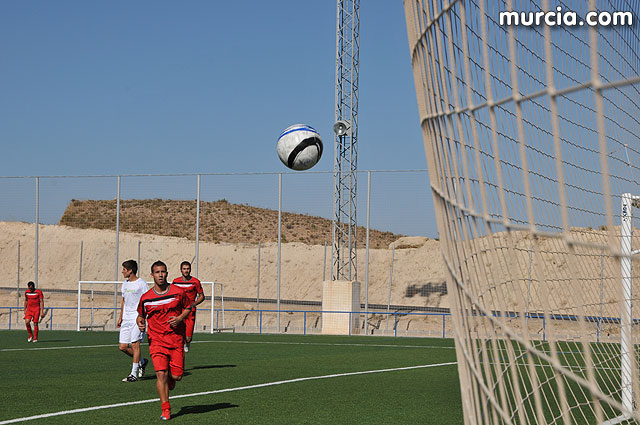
(25, 303)
(176, 320)
(187, 309)
(121, 313)
(199, 299)
(141, 323)
(41, 305)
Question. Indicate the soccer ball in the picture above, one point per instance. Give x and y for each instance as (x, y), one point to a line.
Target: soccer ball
(299, 147)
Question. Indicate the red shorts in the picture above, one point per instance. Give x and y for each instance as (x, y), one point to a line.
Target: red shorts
(171, 359)
(32, 315)
(190, 323)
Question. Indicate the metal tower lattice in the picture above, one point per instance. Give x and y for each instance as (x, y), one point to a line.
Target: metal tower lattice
(344, 257)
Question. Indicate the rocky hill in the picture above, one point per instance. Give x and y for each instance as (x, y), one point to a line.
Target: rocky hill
(220, 221)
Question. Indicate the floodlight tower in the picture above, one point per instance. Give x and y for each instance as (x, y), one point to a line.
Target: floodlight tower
(343, 252)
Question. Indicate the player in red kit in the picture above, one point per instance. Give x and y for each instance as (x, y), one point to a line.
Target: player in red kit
(33, 310)
(163, 309)
(193, 289)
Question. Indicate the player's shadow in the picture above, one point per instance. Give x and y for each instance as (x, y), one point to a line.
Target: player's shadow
(187, 373)
(211, 366)
(49, 341)
(203, 408)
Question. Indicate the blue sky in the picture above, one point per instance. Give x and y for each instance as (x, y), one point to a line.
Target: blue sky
(197, 87)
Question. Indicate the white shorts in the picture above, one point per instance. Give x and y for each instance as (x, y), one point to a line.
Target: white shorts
(129, 332)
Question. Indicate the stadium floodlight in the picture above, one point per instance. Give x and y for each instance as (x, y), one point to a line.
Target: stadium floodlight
(532, 137)
(341, 127)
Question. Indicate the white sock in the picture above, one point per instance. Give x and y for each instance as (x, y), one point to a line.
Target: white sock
(134, 369)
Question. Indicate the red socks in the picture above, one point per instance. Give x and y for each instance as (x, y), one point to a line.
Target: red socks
(29, 330)
(166, 406)
(35, 332)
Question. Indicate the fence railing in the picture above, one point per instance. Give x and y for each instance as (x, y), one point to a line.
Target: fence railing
(298, 322)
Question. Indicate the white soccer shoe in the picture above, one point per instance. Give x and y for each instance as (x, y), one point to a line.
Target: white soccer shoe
(142, 367)
(186, 347)
(30, 339)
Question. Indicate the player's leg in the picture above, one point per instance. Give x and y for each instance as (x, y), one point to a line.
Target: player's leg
(176, 366)
(124, 339)
(129, 343)
(36, 320)
(135, 347)
(160, 359)
(27, 321)
(189, 323)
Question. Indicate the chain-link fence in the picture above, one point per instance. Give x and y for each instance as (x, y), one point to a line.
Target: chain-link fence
(228, 226)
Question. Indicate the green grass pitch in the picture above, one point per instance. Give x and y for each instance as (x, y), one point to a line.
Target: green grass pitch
(78, 370)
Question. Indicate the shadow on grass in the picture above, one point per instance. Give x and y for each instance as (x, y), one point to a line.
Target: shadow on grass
(203, 408)
(213, 366)
(187, 373)
(49, 341)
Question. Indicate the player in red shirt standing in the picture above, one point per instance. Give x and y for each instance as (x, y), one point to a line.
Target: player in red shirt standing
(33, 310)
(163, 308)
(193, 289)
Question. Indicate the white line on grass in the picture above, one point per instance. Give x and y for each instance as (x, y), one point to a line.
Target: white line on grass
(58, 348)
(239, 342)
(226, 390)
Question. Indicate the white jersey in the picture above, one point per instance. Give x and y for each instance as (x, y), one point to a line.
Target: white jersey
(131, 292)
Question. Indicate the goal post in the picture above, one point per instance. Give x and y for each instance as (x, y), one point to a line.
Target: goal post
(109, 297)
(111, 289)
(628, 203)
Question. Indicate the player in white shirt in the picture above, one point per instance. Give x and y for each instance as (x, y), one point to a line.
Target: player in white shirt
(130, 336)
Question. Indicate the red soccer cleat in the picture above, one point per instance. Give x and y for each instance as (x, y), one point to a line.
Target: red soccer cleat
(166, 414)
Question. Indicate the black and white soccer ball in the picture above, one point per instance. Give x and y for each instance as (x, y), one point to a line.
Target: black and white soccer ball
(299, 147)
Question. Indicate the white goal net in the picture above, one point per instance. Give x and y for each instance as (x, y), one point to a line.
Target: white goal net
(532, 141)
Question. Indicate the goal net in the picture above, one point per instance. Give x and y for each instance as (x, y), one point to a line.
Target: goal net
(531, 135)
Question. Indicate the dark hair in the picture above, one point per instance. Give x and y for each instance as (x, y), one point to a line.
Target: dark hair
(131, 265)
(30, 284)
(185, 263)
(158, 263)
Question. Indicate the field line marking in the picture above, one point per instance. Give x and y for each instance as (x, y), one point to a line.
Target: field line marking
(247, 387)
(58, 348)
(325, 344)
(237, 342)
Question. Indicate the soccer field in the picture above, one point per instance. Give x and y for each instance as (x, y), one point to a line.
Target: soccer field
(234, 378)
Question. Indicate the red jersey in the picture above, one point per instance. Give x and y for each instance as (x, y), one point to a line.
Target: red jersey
(191, 287)
(157, 309)
(33, 299)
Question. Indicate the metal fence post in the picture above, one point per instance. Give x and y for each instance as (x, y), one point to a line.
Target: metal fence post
(305, 323)
(393, 253)
(366, 266)
(279, 247)
(115, 285)
(80, 268)
(258, 287)
(18, 279)
(37, 229)
(139, 256)
(324, 262)
(395, 323)
(197, 228)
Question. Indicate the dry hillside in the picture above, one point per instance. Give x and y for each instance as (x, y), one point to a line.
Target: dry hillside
(220, 221)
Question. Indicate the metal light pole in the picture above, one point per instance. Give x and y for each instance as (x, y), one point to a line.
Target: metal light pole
(343, 252)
